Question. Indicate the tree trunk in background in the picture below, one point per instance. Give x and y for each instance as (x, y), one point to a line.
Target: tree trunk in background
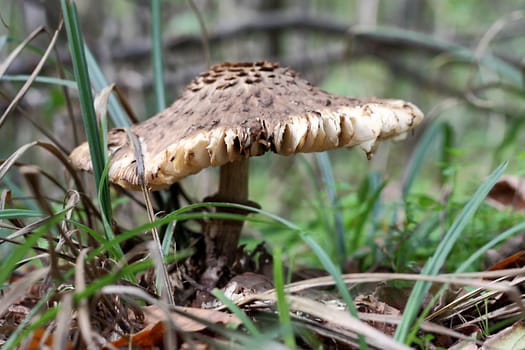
(367, 12)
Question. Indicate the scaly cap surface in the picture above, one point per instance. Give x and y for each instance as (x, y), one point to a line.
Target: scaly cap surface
(239, 110)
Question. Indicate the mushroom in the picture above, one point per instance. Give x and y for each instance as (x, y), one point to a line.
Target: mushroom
(236, 111)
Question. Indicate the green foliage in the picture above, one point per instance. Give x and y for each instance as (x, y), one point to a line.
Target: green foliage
(283, 309)
(338, 210)
(157, 57)
(437, 260)
(97, 149)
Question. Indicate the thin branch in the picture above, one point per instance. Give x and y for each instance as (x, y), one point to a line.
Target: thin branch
(264, 22)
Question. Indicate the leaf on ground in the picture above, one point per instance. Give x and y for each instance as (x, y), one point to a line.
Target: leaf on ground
(153, 334)
(245, 284)
(511, 338)
(516, 260)
(369, 304)
(392, 295)
(154, 314)
(40, 338)
(147, 339)
(508, 193)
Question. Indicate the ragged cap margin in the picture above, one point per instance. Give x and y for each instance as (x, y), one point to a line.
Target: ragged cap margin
(319, 128)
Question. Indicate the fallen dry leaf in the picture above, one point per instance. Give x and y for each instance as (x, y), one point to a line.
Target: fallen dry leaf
(511, 338)
(508, 193)
(152, 336)
(516, 260)
(369, 304)
(37, 340)
(147, 339)
(154, 314)
(245, 284)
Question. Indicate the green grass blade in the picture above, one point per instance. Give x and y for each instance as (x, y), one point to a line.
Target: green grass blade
(250, 326)
(336, 275)
(283, 310)
(76, 47)
(17, 191)
(19, 213)
(513, 134)
(502, 237)
(114, 248)
(116, 112)
(18, 253)
(168, 237)
(42, 80)
(157, 56)
(3, 41)
(329, 181)
(423, 149)
(370, 201)
(435, 263)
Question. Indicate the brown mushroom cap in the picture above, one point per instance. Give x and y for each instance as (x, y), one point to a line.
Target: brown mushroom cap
(239, 110)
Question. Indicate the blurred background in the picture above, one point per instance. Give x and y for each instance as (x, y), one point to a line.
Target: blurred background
(460, 61)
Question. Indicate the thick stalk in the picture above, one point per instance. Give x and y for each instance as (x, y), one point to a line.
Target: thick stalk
(224, 234)
(221, 236)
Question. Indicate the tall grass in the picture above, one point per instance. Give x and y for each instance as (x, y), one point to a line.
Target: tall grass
(94, 135)
(56, 234)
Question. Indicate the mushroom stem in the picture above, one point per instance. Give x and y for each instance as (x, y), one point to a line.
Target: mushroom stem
(222, 235)
(233, 181)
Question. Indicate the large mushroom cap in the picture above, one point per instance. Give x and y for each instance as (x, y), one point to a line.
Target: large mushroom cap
(239, 110)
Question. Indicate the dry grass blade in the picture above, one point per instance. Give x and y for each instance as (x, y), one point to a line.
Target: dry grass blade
(100, 105)
(32, 175)
(204, 32)
(38, 170)
(461, 304)
(136, 292)
(9, 162)
(474, 299)
(20, 287)
(156, 249)
(481, 49)
(161, 273)
(25, 230)
(503, 313)
(340, 319)
(465, 279)
(161, 269)
(477, 279)
(67, 231)
(101, 101)
(425, 325)
(63, 322)
(12, 56)
(5, 198)
(83, 306)
(6, 165)
(32, 77)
